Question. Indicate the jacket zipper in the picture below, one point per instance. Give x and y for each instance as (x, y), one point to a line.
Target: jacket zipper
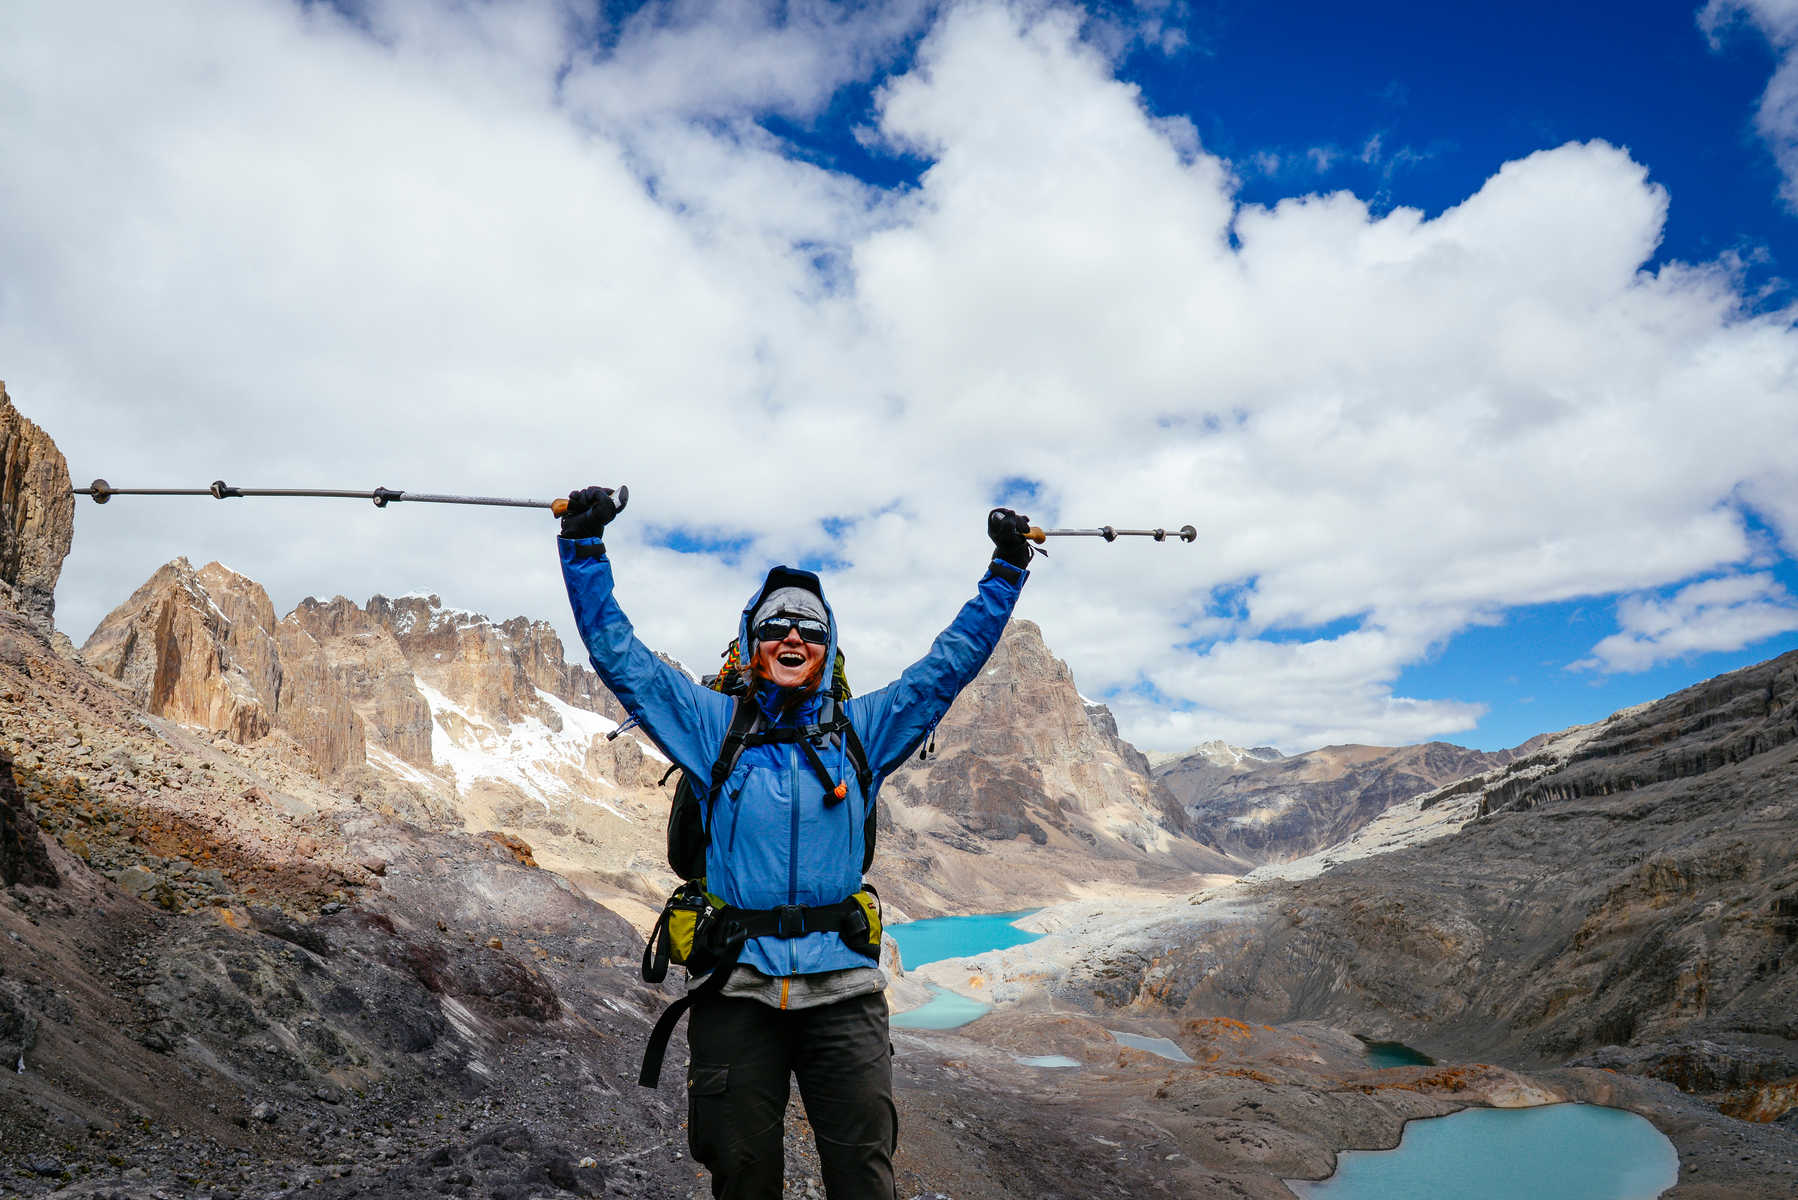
(793, 794)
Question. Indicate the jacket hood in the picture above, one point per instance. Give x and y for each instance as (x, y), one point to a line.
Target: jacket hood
(785, 577)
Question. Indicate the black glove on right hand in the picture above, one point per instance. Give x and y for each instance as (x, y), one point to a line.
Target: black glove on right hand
(1007, 529)
(590, 510)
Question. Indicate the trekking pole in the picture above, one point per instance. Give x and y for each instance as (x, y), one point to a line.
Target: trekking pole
(102, 491)
(1185, 533)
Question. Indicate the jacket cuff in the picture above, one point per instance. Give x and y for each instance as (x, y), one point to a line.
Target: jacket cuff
(575, 549)
(1009, 572)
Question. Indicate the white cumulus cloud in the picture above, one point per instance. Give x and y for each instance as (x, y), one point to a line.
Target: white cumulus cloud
(1713, 614)
(1777, 117)
(508, 248)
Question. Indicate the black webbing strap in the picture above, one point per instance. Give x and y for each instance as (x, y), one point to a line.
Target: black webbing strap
(651, 1074)
(743, 721)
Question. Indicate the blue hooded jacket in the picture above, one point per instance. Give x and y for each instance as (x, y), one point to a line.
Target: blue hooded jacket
(774, 839)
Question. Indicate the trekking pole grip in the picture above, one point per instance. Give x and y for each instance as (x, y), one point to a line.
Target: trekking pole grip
(559, 506)
(1036, 535)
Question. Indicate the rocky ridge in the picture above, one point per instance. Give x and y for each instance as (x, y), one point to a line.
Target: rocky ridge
(446, 715)
(1624, 898)
(1267, 807)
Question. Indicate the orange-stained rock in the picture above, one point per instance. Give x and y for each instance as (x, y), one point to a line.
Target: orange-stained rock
(37, 514)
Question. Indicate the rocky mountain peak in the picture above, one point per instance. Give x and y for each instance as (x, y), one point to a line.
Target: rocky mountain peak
(203, 647)
(37, 514)
(1021, 754)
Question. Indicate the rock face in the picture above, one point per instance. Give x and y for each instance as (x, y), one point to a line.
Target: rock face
(203, 647)
(496, 668)
(1021, 755)
(1639, 892)
(1266, 807)
(373, 673)
(37, 513)
(178, 652)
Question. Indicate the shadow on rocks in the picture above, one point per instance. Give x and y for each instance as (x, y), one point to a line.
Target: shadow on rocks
(507, 1162)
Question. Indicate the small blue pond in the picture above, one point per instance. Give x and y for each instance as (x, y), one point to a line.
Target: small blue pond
(1154, 1045)
(1395, 1054)
(1052, 1062)
(944, 1010)
(1555, 1152)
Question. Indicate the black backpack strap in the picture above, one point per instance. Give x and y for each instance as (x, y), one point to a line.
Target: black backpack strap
(745, 718)
(743, 721)
(657, 951)
(731, 946)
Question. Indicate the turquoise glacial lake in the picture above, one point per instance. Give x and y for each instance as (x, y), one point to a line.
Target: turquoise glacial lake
(936, 938)
(1555, 1152)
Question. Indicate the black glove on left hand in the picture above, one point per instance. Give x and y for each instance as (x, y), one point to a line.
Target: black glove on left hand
(590, 510)
(1007, 529)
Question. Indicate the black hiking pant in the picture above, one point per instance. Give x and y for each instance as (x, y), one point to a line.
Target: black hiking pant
(743, 1055)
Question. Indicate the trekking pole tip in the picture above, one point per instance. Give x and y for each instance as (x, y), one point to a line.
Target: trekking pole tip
(1188, 534)
(100, 490)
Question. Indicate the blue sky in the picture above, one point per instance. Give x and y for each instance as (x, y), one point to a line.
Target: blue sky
(1412, 105)
(1464, 335)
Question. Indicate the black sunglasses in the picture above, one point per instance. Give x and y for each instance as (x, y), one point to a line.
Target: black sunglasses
(775, 629)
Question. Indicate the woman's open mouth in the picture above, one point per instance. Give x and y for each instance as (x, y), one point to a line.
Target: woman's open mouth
(791, 658)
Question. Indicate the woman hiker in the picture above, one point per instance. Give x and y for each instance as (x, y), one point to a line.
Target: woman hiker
(788, 847)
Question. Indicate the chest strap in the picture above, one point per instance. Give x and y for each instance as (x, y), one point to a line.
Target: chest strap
(832, 723)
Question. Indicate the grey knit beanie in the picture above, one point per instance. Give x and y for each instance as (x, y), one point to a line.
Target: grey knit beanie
(791, 602)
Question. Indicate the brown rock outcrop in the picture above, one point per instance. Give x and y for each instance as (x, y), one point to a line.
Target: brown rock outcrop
(173, 647)
(203, 647)
(37, 513)
(496, 669)
(314, 706)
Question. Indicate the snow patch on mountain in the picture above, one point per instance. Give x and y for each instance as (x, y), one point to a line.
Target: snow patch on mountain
(548, 765)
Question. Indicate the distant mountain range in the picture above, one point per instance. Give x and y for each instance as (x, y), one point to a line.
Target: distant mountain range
(1263, 806)
(449, 717)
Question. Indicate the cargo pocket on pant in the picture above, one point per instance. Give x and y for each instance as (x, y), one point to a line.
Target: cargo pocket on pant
(707, 1085)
